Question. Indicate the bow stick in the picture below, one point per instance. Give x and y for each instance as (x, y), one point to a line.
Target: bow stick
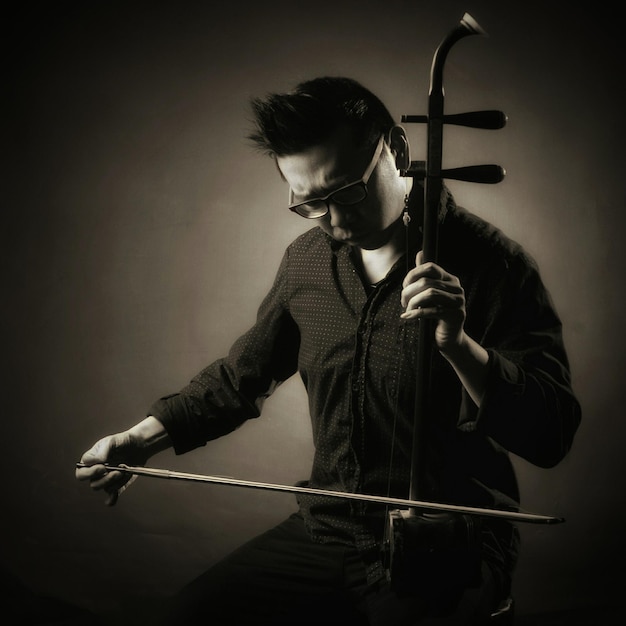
(399, 502)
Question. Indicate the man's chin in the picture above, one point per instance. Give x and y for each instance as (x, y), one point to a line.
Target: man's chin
(357, 239)
(348, 237)
(367, 242)
(354, 241)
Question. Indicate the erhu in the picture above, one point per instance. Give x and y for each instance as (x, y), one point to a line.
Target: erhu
(423, 548)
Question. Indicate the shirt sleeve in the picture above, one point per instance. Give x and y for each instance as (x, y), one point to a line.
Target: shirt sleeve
(232, 389)
(529, 407)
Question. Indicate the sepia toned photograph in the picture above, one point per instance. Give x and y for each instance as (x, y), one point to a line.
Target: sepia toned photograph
(313, 313)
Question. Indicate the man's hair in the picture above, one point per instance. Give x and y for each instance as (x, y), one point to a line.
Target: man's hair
(288, 123)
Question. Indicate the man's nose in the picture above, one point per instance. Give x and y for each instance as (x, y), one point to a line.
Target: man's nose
(340, 215)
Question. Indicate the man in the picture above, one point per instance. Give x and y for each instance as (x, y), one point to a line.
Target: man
(344, 312)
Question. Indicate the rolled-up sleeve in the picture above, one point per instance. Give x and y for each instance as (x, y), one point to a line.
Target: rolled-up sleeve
(529, 407)
(232, 389)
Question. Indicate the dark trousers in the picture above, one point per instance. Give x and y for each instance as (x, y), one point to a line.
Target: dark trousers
(282, 577)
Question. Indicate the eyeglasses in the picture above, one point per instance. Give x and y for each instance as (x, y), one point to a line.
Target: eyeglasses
(352, 193)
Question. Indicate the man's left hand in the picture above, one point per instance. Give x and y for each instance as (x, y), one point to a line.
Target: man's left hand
(428, 291)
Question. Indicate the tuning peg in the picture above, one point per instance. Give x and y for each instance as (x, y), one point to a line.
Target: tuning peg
(491, 120)
(414, 119)
(488, 174)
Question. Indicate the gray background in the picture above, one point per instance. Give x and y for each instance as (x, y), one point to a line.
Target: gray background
(140, 231)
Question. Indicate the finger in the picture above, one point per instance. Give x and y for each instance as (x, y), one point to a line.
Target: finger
(434, 301)
(413, 293)
(433, 271)
(107, 480)
(91, 472)
(113, 494)
(109, 485)
(431, 312)
(430, 287)
(112, 481)
(426, 271)
(425, 298)
(112, 497)
(430, 267)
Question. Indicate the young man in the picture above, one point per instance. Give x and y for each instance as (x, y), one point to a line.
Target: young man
(343, 312)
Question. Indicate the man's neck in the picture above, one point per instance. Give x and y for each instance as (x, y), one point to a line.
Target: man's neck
(377, 262)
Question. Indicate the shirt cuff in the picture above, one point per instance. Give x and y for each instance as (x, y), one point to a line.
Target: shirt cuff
(505, 383)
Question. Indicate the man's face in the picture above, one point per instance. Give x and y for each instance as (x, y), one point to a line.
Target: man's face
(323, 168)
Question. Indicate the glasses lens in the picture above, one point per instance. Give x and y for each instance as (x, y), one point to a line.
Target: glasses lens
(312, 210)
(350, 195)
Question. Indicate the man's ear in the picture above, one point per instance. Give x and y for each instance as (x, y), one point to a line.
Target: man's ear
(399, 146)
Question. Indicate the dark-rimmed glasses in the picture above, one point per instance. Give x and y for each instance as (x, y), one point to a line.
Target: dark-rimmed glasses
(348, 194)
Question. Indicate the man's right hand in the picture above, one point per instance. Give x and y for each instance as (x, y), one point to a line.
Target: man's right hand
(130, 447)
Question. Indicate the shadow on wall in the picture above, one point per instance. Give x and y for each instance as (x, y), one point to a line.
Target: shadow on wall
(27, 608)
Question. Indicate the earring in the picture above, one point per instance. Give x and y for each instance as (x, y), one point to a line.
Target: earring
(406, 218)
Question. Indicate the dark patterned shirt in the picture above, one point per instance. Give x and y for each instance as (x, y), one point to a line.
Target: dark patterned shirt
(357, 359)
